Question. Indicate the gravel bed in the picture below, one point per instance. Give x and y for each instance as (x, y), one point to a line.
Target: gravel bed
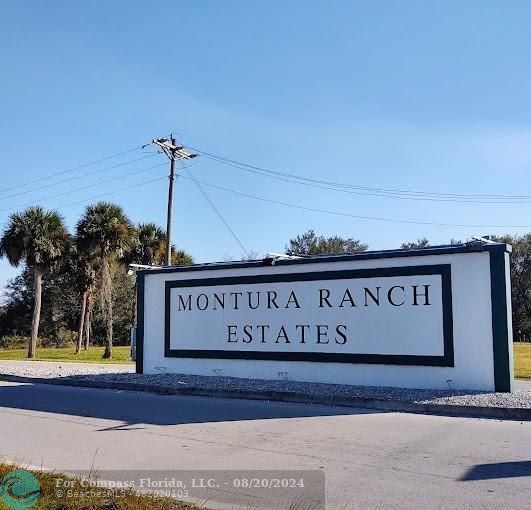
(51, 369)
(124, 374)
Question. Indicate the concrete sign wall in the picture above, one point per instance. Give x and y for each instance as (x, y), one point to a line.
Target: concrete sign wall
(429, 318)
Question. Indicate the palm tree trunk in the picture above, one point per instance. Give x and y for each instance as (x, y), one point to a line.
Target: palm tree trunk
(81, 321)
(107, 298)
(88, 319)
(37, 291)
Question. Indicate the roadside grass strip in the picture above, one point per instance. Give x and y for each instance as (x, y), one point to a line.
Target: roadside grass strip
(120, 354)
(22, 488)
(522, 360)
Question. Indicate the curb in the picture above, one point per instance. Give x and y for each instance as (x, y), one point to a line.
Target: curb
(499, 413)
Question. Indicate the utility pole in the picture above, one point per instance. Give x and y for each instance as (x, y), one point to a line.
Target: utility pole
(170, 205)
(174, 152)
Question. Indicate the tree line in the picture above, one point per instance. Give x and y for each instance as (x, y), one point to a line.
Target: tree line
(74, 288)
(76, 271)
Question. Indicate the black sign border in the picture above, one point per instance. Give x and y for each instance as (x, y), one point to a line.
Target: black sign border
(444, 270)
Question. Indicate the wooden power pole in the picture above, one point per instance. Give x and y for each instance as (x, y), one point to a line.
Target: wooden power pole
(174, 152)
(170, 205)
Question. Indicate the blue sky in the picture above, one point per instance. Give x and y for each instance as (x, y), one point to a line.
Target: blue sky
(417, 95)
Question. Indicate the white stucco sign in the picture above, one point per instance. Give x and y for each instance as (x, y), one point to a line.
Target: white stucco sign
(418, 318)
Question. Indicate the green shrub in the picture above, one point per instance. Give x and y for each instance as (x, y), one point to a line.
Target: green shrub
(13, 342)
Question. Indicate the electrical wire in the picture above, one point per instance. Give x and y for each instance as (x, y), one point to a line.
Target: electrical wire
(82, 188)
(336, 213)
(106, 194)
(113, 192)
(78, 177)
(84, 165)
(368, 191)
(216, 210)
(302, 182)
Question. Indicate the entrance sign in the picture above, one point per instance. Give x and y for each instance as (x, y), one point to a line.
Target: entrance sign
(347, 316)
(426, 318)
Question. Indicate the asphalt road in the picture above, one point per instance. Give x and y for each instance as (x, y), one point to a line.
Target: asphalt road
(370, 459)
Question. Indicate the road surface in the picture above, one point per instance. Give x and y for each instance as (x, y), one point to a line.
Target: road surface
(370, 459)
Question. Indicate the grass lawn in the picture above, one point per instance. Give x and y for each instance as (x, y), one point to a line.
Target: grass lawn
(93, 355)
(522, 356)
(522, 360)
(57, 493)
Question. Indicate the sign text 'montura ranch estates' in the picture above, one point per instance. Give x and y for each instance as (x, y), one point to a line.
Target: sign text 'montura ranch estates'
(249, 301)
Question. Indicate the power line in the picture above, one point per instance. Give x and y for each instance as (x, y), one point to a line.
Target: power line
(33, 181)
(222, 159)
(102, 182)
(113, 192)
(368, 191)
(78, 177)
(106, 194)
(121, 189)
(216, 210)
(81, 188)
(302, 182)
(336, 213)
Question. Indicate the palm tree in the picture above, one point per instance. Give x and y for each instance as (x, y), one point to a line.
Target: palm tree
(105, 230)
(148, 241)
(39, 238)
(82, 266)
(92, 270)
(180, 257)
(87, 322)
(149, 247)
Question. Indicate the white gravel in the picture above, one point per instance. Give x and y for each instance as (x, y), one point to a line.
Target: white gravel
(124, 374)
(50, 369)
